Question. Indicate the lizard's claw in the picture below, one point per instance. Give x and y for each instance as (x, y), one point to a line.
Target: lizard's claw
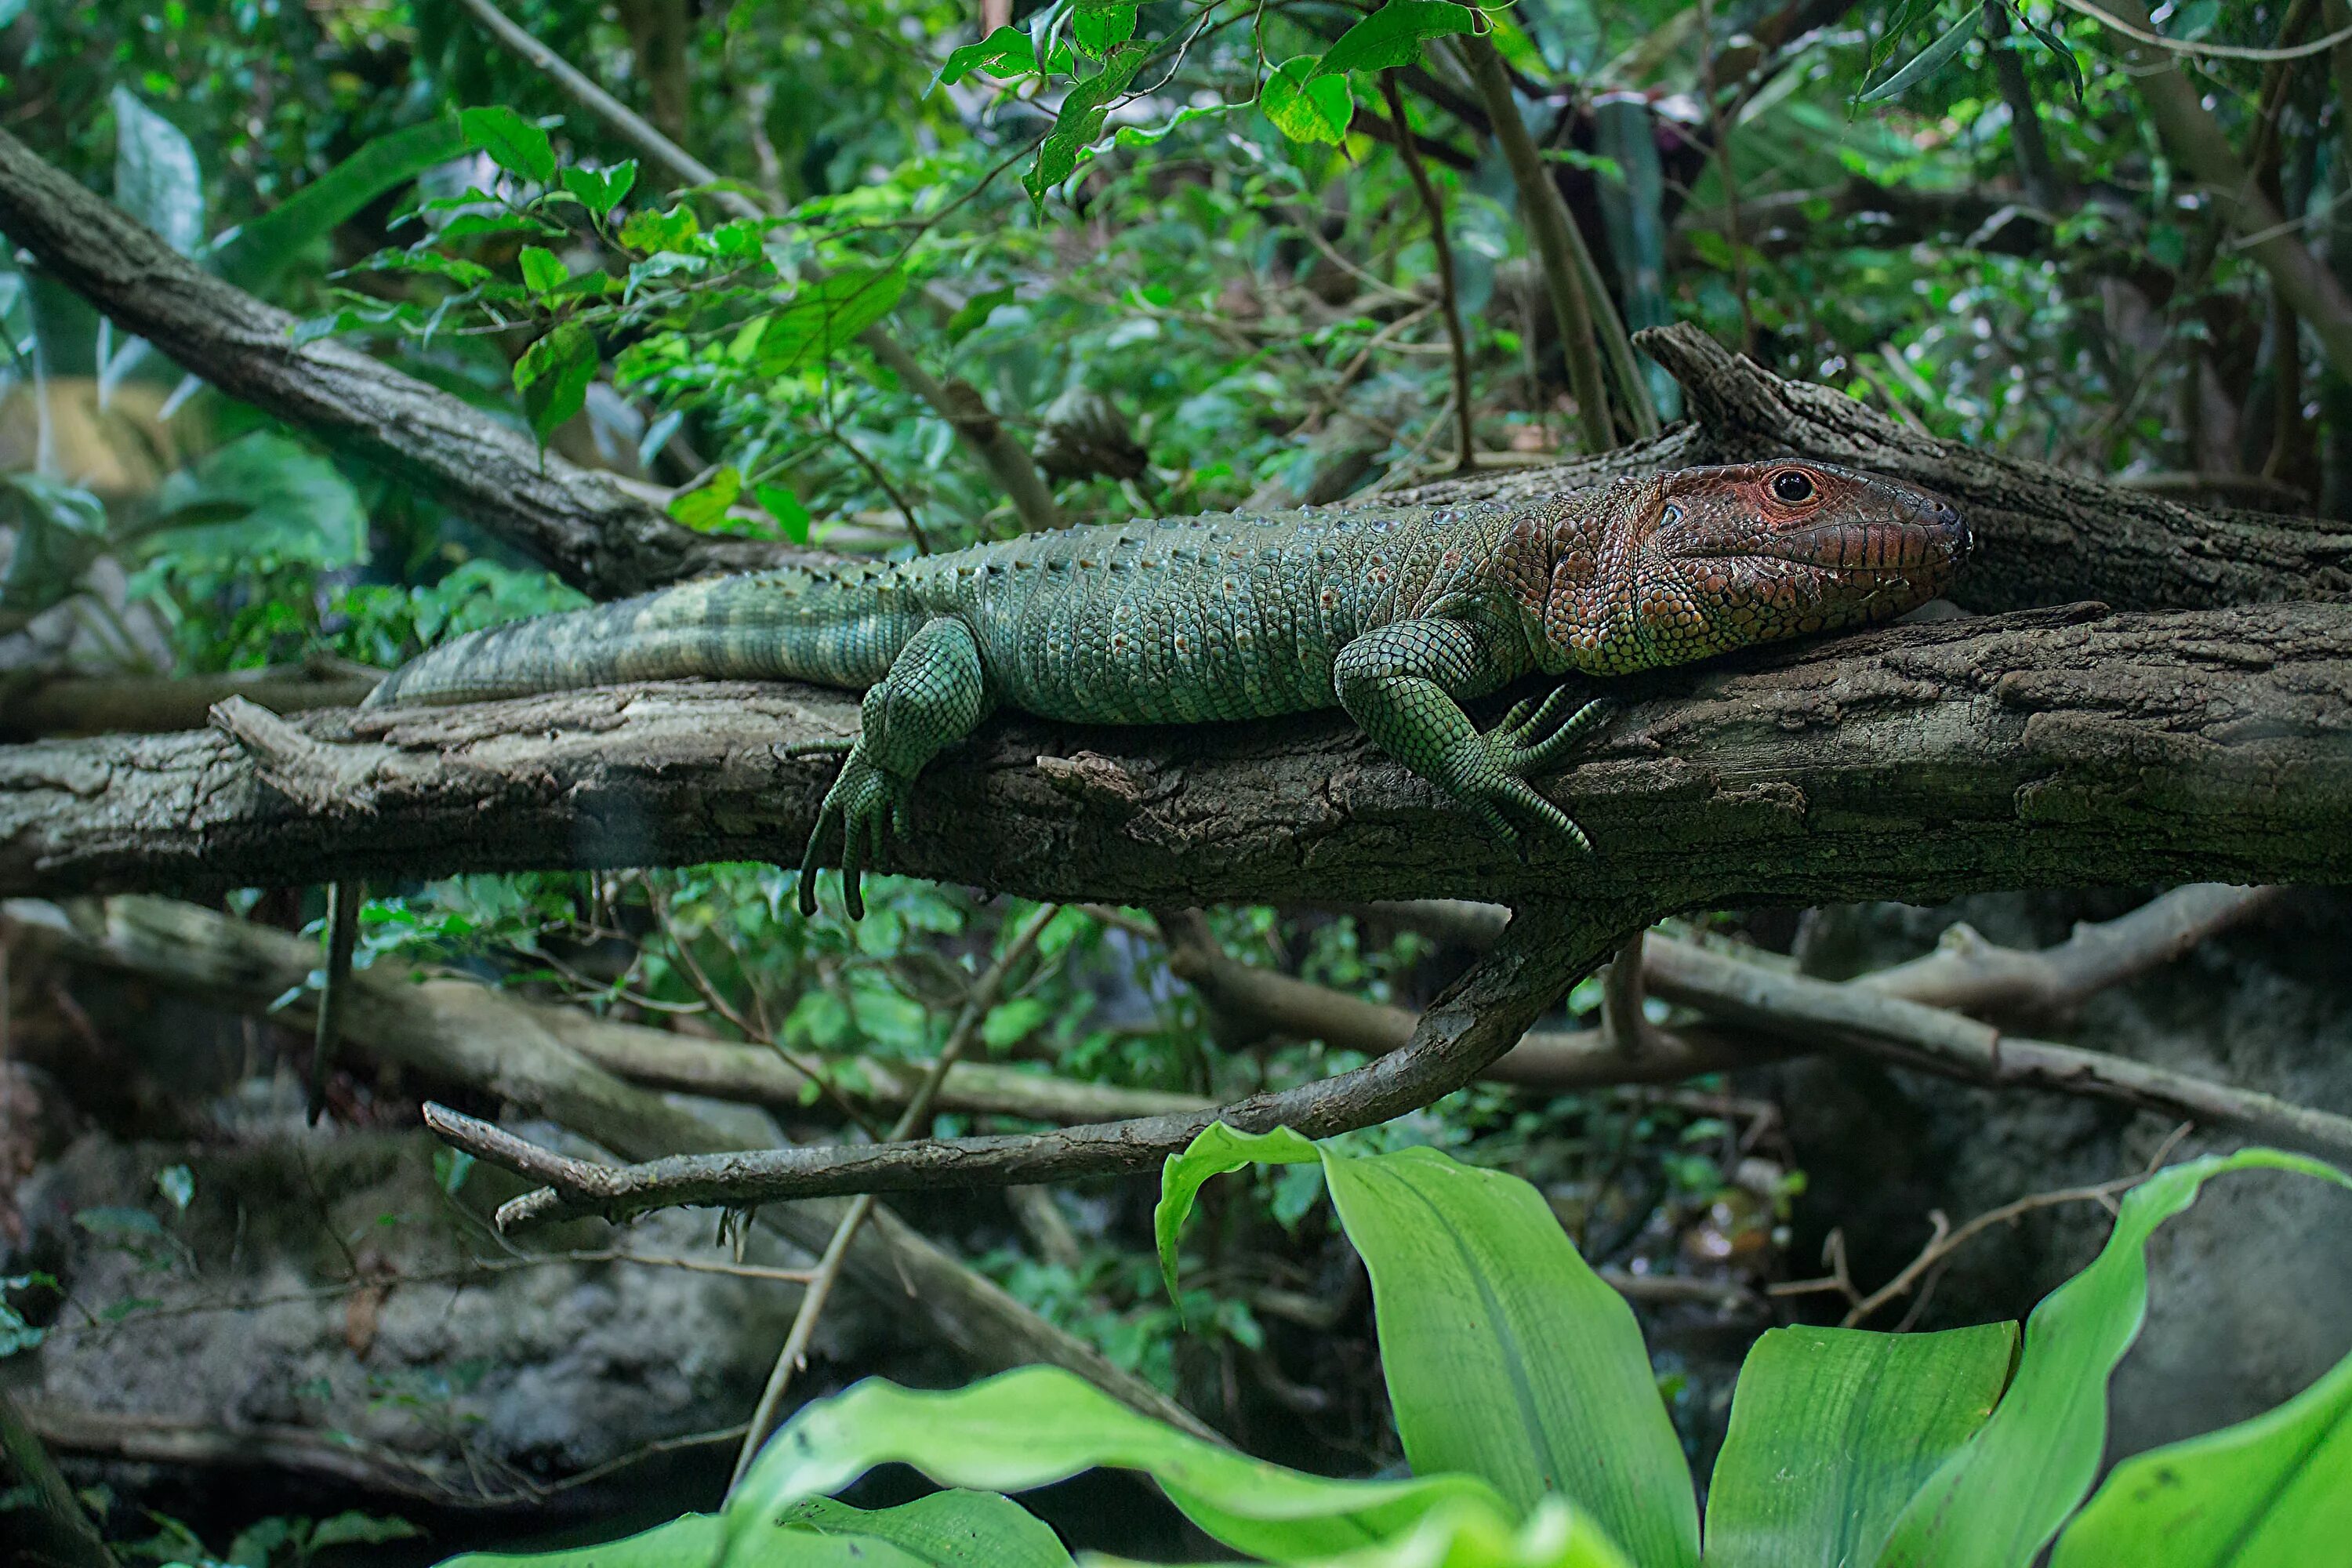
(869, 803)
(1494, 777)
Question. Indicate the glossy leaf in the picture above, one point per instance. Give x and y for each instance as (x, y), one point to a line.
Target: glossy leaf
(1554, 1536)
(790, 514)
(1833, 1430)
(1215, 1151)
(1393, 36)
(2272, 1492)
(2000, 1499)
(1929, 60)
(554, 375)
(1306, 106)
(543, 270)
(156, 179)
(1099, 28)
(707, 503)
(945, 1530)
(256, 254)
(512, 142)
(1040, 1424)
(601, 190)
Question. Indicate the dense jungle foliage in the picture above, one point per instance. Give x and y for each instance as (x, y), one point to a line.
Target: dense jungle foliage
(1188, 257)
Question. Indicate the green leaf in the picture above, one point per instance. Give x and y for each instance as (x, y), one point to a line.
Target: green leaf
(353, 1529)
(2047, 36)
(601, 190)
(651, 231)
(945, 1530)
(542, 270)
(1041, 1425)
(707, 503)
(1004, 52)
(1084, 109)
(264, 495)
(2272, 1492)
(693, 1538)
(1506, 1356)
(258, 253)
(1466, 1536)
(1393, 36)
(826, 316)
(1012, 1022)
(1997, 1502)
(1306, 106)
(1929, 60)
(513, 143)
(1217, 1150)
(785, 506)
(1099, 28)
(156, 179)
(554, 375)
(1833, 1430)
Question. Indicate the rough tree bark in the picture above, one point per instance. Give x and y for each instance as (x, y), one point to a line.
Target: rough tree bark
(2049, 748)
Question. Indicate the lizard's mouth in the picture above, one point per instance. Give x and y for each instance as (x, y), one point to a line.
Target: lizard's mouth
(1933, 541)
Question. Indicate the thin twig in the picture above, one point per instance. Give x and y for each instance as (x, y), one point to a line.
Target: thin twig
(1449, 297)
(918, 1114)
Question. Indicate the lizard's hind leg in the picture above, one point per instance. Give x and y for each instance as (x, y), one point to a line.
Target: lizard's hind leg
(934, 696)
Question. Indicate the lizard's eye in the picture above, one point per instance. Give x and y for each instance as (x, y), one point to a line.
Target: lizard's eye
(1793, 486)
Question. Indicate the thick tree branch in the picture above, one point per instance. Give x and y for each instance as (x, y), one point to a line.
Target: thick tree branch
(36, 704)
(581, 528)
(2043, 534)
(2060, 748)
(1475, 1021)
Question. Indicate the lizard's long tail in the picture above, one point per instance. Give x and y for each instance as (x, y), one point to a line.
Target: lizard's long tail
(838, 626)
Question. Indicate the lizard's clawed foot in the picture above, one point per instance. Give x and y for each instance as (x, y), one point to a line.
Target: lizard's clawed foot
(1532, 739)
(869, 803)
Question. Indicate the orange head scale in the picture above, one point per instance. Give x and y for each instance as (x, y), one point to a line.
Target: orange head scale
(1682, 565)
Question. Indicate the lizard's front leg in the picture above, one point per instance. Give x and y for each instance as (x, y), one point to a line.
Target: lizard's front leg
(1405, 684)
(935, 694)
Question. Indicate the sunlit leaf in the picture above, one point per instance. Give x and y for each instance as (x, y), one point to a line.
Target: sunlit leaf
(1393, 36)
(707, 503)
(1004, 52)
(1306, 105)
(786, 508)
(541, 270)
(601, 190)
(1098, 28)
(1084, 110)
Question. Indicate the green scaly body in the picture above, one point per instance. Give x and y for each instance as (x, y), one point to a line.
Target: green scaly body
(1396, 614)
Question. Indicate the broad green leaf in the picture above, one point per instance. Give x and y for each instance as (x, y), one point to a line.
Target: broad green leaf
(2272, 1492)
(1554, 1536)
(787, 508)
(1084, 109)
(156, 179)
(542, 270)
(60, 530)
(691, 1539)
(1832, 1432)
(1306, 106)
(1004, 52)
(1098, 29)
(1393, 36)
(554, 375)
(707, 503)
(826, 316)
(1506, 1356)
(253, 255)
(513, 143)
(1041, 1425)
(651, 231)
(2000, 1499)
(1929, 60)
(1217, 1150)
(601, 190)
(945, 1530)
(353, 1528)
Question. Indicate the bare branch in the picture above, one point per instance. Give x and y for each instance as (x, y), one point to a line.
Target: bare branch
(1479, 1018)
(37, 704)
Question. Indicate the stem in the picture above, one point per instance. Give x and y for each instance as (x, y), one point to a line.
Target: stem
(1556, 242)
(1410, 153)
(918, 1114)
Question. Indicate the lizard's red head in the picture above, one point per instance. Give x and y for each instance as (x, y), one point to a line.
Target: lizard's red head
(1702, 560)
